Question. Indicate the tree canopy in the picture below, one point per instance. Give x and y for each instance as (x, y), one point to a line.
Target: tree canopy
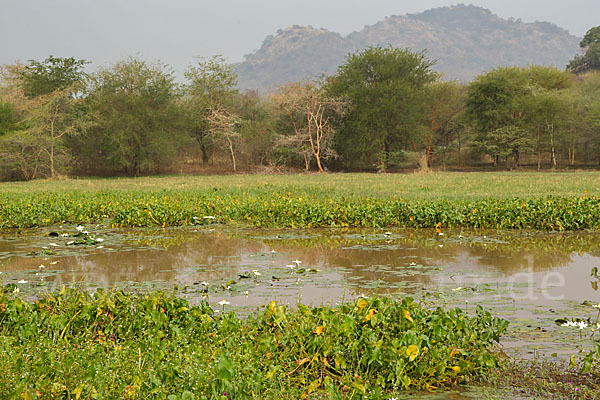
(590, 60)
(384, 89)
(136, 118)
(512, 108)
(43, 77)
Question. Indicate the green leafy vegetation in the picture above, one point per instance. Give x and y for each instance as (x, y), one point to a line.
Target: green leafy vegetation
(118, 345)
(297, 205)
(590, 60)
(385, 89)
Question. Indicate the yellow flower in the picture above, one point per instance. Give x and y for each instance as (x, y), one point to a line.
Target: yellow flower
(412, 352)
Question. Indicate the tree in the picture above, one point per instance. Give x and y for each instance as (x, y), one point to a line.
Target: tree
(44, 77)
(223, 126)
(136, 116)
(511, 97)
(545, 111)
(590, 60)
(309, 111)
(257, 132)
(50, 121)
(12, 98)
(384, 89)
(209, 96)
(36, 143)
(508, 141)
(8, 118)
(445, 106)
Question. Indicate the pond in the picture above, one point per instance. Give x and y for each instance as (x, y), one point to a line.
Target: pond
(529, 278)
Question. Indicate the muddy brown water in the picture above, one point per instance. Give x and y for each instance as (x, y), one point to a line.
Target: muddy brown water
(529, 278)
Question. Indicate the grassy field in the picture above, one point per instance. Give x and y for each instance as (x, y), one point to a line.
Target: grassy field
(439, 185)
(546, 201)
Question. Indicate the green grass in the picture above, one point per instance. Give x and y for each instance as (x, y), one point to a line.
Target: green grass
(545, 201)
(157, 346)
(431, 186)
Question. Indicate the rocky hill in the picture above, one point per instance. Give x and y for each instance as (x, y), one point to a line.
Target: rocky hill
(465, 41)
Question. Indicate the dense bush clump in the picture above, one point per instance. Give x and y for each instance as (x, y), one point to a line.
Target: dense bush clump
(115, 345)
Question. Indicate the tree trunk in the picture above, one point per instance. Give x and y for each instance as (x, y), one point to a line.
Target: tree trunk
(572, 155)
(552, 150)
(428, 156)
(200, 139)
(319, 163)
(52, 170)
(232, 153)
(459, 153)
(539, 149)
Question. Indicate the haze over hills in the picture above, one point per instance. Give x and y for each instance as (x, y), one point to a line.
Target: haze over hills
(465, 41)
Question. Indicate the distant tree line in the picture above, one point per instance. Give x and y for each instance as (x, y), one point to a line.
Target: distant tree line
(384, 109)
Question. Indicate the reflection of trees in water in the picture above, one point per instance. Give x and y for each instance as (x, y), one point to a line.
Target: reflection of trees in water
(507, 251)
(207, 257)
(185, 257)
(515, 260)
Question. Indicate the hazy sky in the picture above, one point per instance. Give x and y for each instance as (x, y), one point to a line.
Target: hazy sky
(175, 31)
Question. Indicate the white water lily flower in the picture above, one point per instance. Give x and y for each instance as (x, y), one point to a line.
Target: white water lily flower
(194, 217)
(457, 289)
(53, 244)
(297, 262)
(99, 240)
(99, 247)
(17, 290)
(440, 233)
(224, 302)
(65, 235)
(570, 324)
(255, 272)
(582, 325)
(387, 234)
(80, 228)
(412, 264)
(204, 283)
(291, 266)
(208, 217)
(22, 281)
(71, 242)
(42, 266)
(596, 306)
(246, 293)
